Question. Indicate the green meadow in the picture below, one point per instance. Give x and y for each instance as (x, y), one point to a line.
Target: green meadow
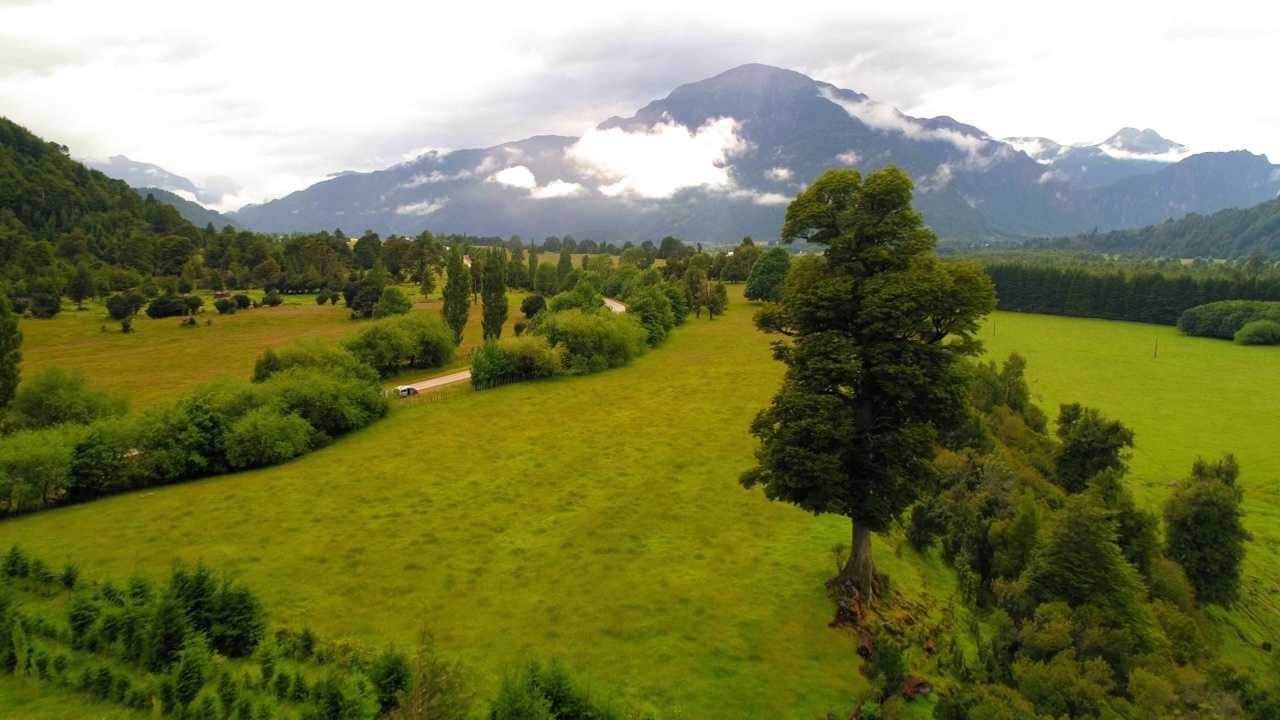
(1183, 397)
(599, 519)
(595, 519)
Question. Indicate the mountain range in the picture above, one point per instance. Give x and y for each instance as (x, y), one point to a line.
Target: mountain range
(720, 159)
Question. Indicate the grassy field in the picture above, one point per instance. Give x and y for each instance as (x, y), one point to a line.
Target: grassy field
(599, 519)
(164, 360)
(1183, 397)
(595, 519)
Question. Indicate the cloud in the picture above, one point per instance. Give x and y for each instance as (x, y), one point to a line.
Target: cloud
(660, 161)
(759, 198)
(880, 116)
(559, 188)
(849, 158)
(518, 177)
(778, 173)
(435, 177)
(426, 207)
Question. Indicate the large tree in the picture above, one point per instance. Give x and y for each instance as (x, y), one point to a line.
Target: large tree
(873, 370)
(457, 289)
(10, 351)
(765, 280)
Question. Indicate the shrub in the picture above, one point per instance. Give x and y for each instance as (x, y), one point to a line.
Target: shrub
(491, 364)
(532, 305)
(266, 436)
(44, 305)
(225, 306)
(34, 467)
(322, 298)
(593, 341)
(168, 306)
(653, 308)
(1259, 332)
(390, 345)
(332, 404)
(55, 396)
(242, 301)
(1225, 318)
(272, 299)
(392, 302)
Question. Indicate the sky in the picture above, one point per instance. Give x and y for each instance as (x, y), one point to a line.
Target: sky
(272, 98)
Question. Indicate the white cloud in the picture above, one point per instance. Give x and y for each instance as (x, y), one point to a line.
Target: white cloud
(518, 177)
(778, 173)
(435, 177)
(658, 162)
(185, 195)
(559, 188)
(426, 207)
(880, 116)
(849, 158)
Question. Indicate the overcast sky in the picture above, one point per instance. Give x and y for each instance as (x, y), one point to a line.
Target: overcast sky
(275, 96)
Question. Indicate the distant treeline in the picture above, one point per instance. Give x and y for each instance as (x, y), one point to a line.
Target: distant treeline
(1138, 296)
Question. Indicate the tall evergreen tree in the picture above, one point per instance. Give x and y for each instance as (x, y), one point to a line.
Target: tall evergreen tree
(10, 351)
(494, 293)
(82, 286)
(457, 289)
(874, 370)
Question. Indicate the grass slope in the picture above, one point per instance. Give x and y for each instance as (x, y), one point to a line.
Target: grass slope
(597, 519)
(1183, 397)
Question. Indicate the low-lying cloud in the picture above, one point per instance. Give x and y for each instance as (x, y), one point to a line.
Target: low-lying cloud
(426, 207)
(660, 161)
(880, 116)
(523, 178)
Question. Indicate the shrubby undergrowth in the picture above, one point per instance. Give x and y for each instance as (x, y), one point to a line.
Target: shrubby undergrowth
(1225, 320)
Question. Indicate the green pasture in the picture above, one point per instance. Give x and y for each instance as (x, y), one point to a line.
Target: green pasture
(1183, 397)
(163, 360)
(595, 519)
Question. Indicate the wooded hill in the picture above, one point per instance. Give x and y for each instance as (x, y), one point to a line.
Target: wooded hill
(1231, 233)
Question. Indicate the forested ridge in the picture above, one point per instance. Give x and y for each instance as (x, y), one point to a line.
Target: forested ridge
(1230, 233)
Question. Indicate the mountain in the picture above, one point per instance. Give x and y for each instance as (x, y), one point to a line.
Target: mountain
(720, 158)
(141, 175)
(194, 213)
(1128, 153)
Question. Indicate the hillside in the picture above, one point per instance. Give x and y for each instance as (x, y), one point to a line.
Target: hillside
(1232, 233)
(192, 212)
(720, 158)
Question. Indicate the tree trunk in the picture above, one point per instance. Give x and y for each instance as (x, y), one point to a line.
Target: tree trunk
(860, 570)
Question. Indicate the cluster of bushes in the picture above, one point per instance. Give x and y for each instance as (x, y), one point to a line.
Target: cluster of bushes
(402, 342)
(174, 306)
(229, 305)
(576, 334)
(1090, 612)
(199, 647)
(77, 447)
(1248, 322)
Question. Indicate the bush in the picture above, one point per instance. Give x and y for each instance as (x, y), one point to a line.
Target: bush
(532, 305)
(169, 306)
(225, 306)
(1224, 319)
(593, 341)
(392, 302)
(55, 396)
(332, 404)
(653, 308)
(272, 299)
(333, 359)
(44, 306)
(242, 301)
(266, 436)
(390, 345)
(1259, 332)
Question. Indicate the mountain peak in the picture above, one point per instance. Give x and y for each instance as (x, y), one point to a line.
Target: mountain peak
(1141, 142)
